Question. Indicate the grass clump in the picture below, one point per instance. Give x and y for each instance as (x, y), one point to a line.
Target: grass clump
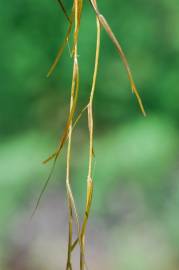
(74, 20)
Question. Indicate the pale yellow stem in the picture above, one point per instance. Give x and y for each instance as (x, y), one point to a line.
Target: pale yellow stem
(90, 124)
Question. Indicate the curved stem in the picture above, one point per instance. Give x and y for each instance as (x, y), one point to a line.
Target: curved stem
(91, 129)
(113, 38)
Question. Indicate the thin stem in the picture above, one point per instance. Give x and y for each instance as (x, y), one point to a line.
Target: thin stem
(70, 198)
(68, 187)
(90, 125)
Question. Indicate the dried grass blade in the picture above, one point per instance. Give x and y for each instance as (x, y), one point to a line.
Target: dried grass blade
(44, 188)
(79, 116)
(66, 130)
(62, 47)
(109, 31)
(64, 10)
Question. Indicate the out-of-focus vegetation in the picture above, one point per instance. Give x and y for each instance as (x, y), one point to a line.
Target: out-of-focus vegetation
(136, 199)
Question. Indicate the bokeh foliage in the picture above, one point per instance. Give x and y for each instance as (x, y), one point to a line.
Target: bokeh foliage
(130, 150)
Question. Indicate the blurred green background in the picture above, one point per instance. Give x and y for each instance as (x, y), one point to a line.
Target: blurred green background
(135, 214)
